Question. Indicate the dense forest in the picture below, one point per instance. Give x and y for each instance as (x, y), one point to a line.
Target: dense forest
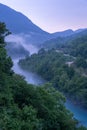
(27, 107)
(65, 72)
(68, 75)
(77, 46)
(63, 43)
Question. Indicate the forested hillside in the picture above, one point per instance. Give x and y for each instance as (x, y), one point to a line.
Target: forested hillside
(27, 107)
(76, 47)
(63, 71)
(63, 42)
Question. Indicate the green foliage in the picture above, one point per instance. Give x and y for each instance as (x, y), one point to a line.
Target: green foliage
(5, 61)
(27, 107)
(51, 65)
(3, 32)
(77, 46)
(43, 63)
(81, 62)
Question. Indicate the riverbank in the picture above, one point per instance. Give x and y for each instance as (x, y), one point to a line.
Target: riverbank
(30, 77)
(79, 113)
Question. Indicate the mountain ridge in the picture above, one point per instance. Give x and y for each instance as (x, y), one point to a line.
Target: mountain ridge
(15, 14)
(68, 32)
(18, 23)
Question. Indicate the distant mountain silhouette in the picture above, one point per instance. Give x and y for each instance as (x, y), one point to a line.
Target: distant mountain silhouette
(63, 33)
(68, 32)
(63, 38)
(17, 23)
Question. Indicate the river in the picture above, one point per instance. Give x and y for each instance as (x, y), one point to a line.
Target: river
(32, 78)
(79, 113)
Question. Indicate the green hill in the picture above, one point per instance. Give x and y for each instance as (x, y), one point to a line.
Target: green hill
(27, 107)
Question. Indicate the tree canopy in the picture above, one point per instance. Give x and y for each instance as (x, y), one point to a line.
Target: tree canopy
(27, 107)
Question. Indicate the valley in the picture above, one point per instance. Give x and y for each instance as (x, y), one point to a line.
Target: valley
(31, 77)
(43, 76)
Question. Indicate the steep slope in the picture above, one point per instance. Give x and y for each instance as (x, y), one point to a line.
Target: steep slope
(17, 23)
(27, 107)
(77, 47)
(63, 40)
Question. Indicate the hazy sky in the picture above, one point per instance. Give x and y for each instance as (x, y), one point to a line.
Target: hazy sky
(53, 15)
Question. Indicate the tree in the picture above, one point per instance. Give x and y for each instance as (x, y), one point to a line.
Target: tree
(3, 33)
(81, 62)
(5, 61)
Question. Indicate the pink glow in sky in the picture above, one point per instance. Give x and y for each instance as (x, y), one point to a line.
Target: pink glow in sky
(52, 15)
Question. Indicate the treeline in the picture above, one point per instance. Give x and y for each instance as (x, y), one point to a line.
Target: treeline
(53, 66)
(76, 47)
(79, 39)
(27, 107)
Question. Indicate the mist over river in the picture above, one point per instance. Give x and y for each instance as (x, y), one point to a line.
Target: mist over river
(32, 78)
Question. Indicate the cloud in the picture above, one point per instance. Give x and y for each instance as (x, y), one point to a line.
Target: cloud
(21, 40)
